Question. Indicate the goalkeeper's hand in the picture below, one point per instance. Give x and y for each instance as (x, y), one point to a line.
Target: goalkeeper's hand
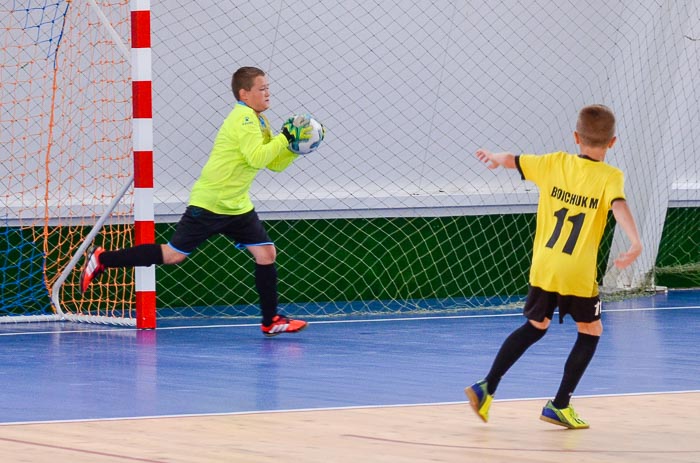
(297, 128)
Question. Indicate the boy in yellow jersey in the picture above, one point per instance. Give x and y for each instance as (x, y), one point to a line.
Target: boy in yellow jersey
(220, 201)
(576, 193)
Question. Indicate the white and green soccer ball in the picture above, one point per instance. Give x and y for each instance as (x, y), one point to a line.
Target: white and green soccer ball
(318, 132)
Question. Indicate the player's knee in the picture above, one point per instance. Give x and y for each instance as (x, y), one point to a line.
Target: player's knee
(593, 328)
(265, 260)
(171, 256)
(264, 255)
(176, 259)
(272, 254)
(543, 325)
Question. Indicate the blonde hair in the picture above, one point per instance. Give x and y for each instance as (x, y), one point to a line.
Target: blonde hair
(596, 125)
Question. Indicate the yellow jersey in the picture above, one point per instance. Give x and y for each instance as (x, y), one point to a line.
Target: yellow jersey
(243, 146)
(575, 195)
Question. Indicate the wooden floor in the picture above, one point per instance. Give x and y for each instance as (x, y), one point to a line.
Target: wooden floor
(638, 428)
(385, 390)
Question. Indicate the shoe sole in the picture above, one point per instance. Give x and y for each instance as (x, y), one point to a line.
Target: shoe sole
(84, 286)
(272, 335)
(474, 402)
(559, 423)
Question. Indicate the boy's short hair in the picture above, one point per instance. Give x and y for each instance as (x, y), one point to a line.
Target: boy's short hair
(244, 78)
(596, 125)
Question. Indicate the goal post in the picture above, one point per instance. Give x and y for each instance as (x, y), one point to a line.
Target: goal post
(142, 98)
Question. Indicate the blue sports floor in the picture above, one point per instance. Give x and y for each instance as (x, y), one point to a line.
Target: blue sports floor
(56, 372)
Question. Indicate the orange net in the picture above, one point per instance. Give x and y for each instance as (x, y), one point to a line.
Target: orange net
(65, 126)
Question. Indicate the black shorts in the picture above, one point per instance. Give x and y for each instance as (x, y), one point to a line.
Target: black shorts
(198, 224)
(540, 304)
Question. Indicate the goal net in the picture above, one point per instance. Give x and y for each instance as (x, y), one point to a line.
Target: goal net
(393, 213)
(65, 128)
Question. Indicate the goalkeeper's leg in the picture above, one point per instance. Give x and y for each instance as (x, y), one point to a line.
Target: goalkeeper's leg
(273, 323)
(194, 228)
(143, 255)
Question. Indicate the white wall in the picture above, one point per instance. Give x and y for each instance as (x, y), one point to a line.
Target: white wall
(409, 90)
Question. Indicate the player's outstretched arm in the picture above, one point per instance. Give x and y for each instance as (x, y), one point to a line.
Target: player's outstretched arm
(625, 220)
(494, 160)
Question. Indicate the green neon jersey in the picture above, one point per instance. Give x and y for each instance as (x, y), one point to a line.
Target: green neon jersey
(244, 146)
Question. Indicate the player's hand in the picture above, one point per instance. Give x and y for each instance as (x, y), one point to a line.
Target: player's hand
(505, 159)
(305, 133)
(625, 259)
(297, 128)
(486, 156)
(301, 120)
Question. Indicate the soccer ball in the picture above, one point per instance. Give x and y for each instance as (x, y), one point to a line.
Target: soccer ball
(307, 146)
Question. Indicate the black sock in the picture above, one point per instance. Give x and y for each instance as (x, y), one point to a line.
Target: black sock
(266, 284)
(579, 358)
(142, 255)
(513, 347)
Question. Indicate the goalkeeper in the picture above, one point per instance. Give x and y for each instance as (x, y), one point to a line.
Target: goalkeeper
(220, 201)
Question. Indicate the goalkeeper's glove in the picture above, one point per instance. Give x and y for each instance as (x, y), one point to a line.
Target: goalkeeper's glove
(297, 128)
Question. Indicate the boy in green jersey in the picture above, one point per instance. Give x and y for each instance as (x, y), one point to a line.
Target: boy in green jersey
(576, 193)
(220, 199)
